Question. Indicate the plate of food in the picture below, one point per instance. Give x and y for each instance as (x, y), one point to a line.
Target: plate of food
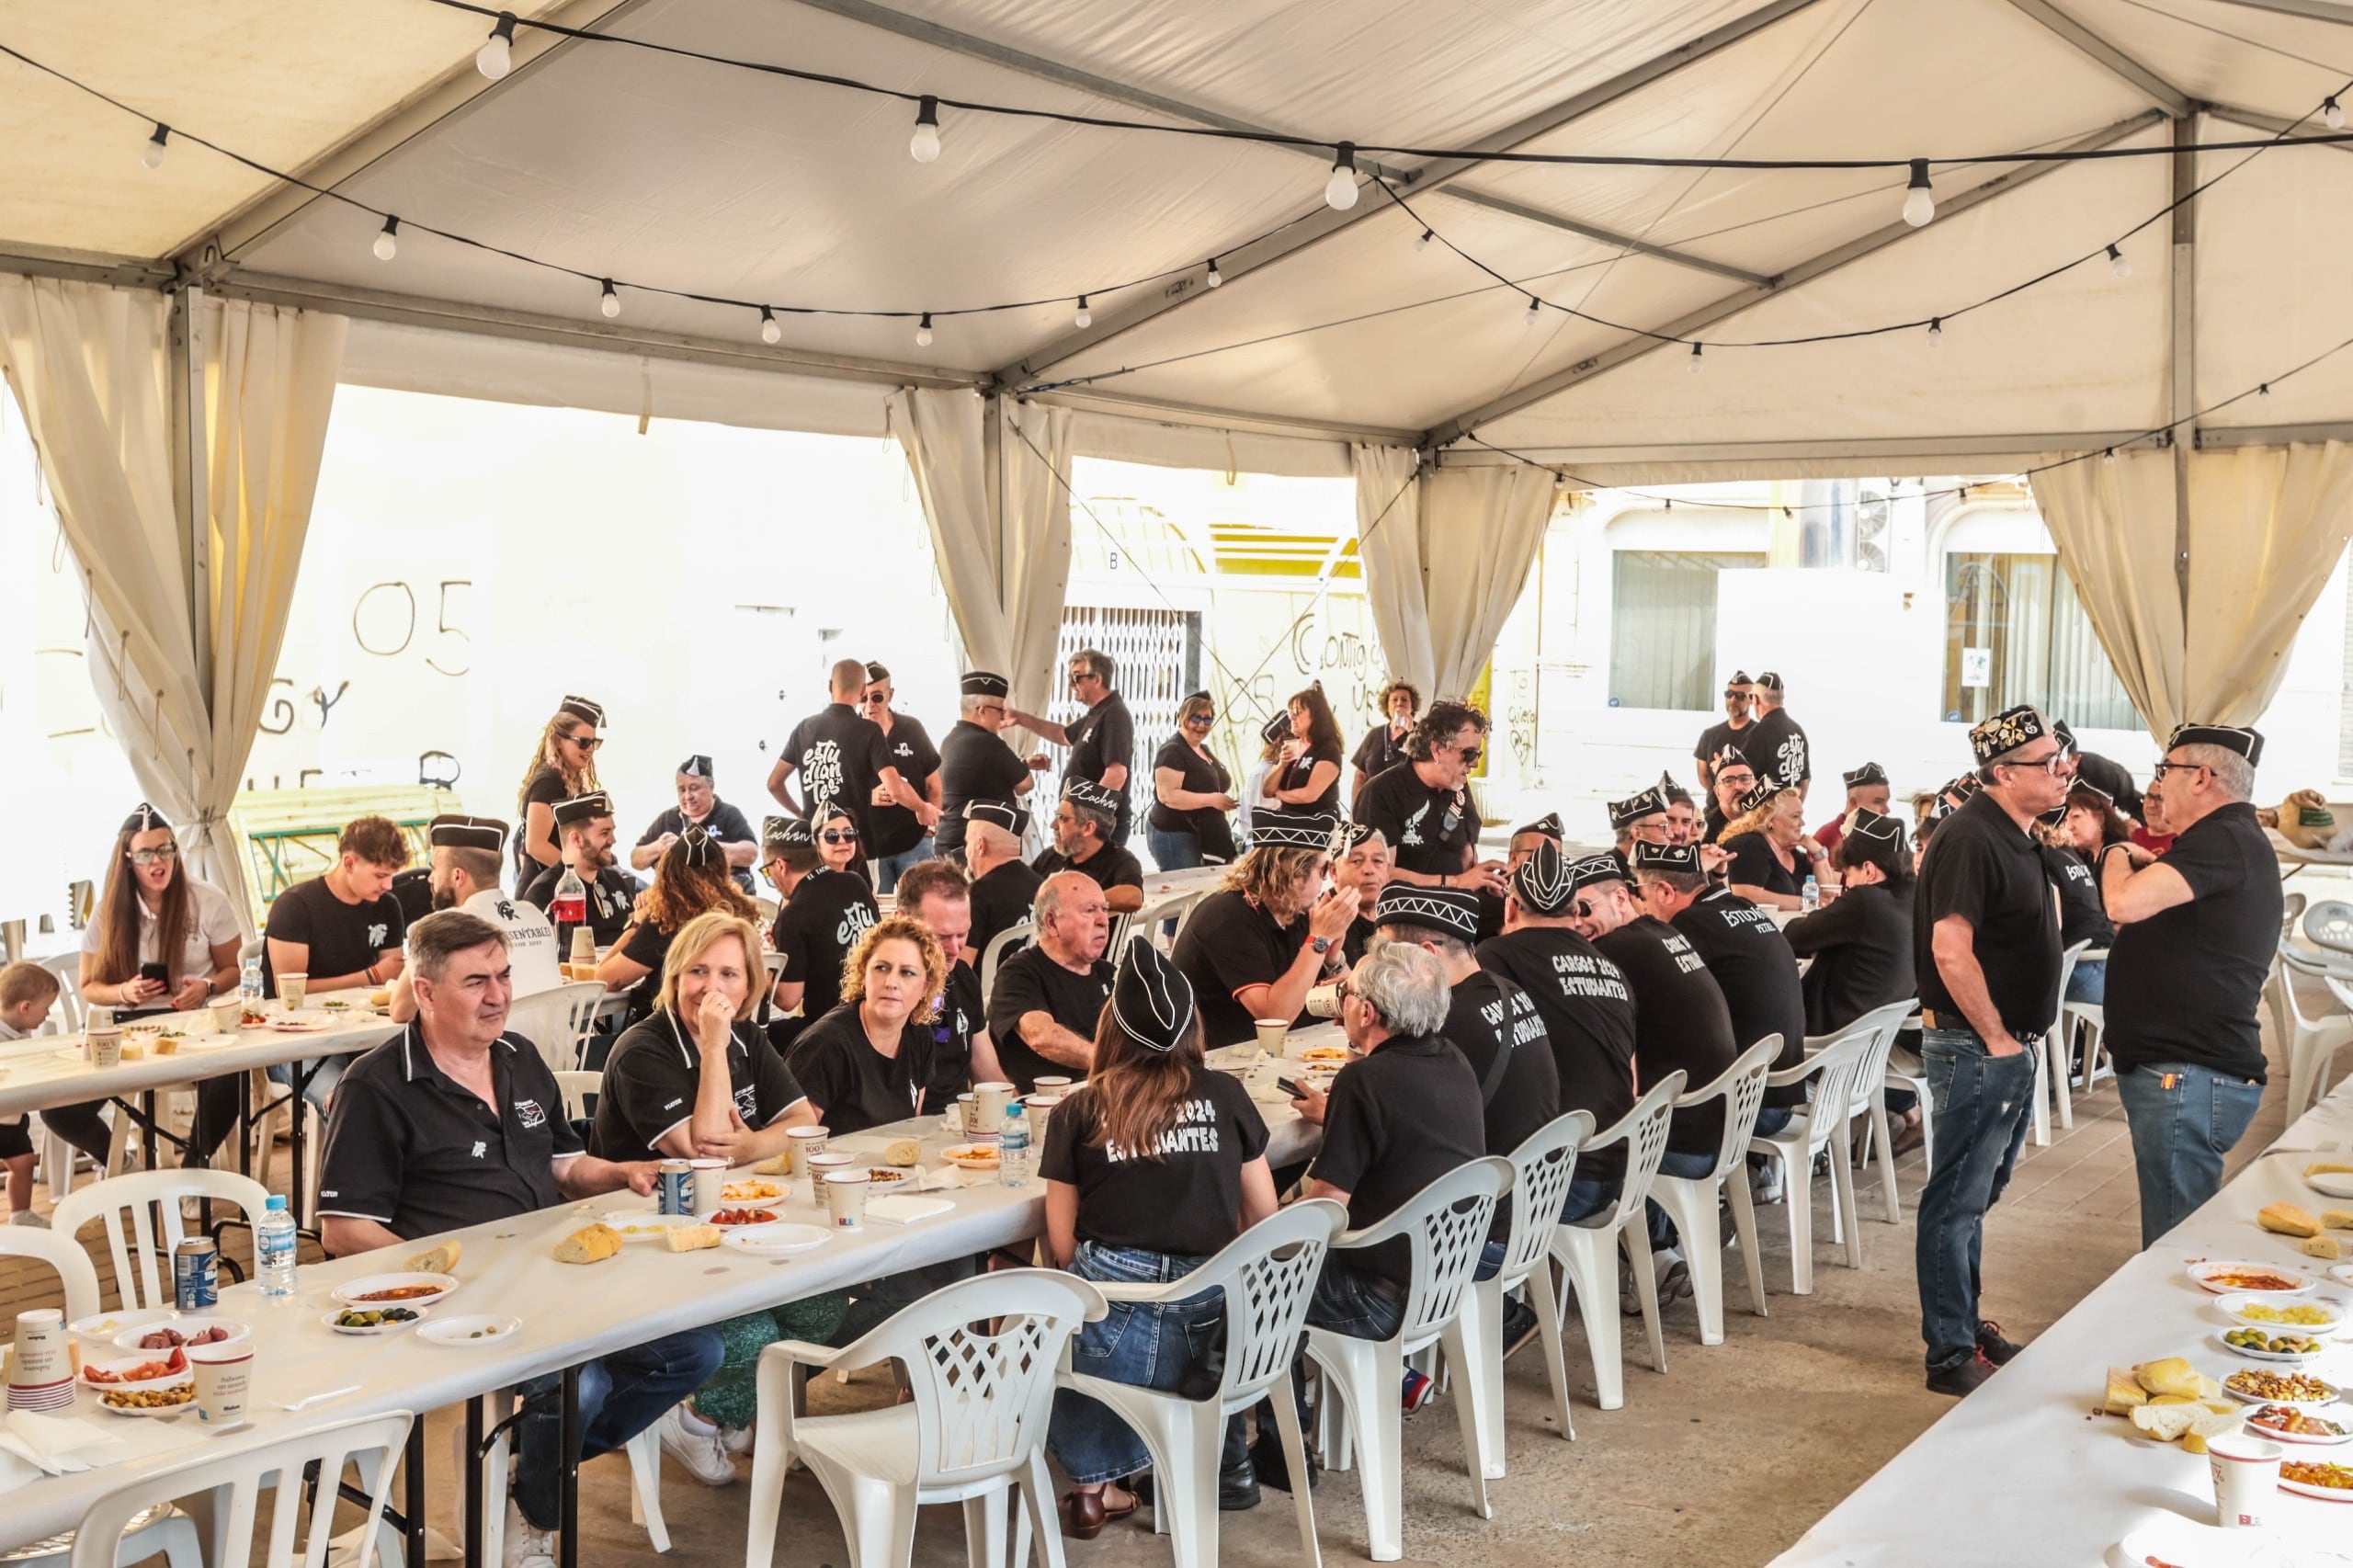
(2313, 1478)
(2342, 1274)
(367, 1322)
(334, 1004)
(2277, 1314)
(777, 1240)
(410, 1289)
(972, 1156)
(195, 1328)
(309, 1020)
(142, 1385)
(1337, 1055)
(2285, 1349)
(2298, 1391)
(644, 1225)
(891, 1175)
(2225, 1279)
(476, 1328)
(106, 1325)
(2289, 1424)
(751, 1190)
(737, 1219)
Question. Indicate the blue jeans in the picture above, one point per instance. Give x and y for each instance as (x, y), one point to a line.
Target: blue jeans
(2184, 1120)
(325, 1071)
(1348, 1299)
(1584, 1197)
(621, 1395)
(1690, 1167)
(1173, 851)
(1149, 1346)
(889, 868)
(1982, 1103)
(2089, 982)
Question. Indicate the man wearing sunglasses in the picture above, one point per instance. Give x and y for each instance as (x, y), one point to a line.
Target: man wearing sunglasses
(1084, 843)
(1738, 698)
(1102, 741)
(975, 765)
(901, 838)
(1424, 809)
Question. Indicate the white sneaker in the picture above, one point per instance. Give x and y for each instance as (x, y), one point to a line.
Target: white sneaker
(701, 1455)
(525, 1545)
(735, 1439)
(1765, 1184)
(26, 1217)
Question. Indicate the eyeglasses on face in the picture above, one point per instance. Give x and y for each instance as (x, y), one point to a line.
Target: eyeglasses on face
(162, 854)
(2053, 764)
(2156, 773)
(839, 835)
(586, 743)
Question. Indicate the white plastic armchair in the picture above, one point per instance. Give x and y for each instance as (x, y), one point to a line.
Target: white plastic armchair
(1003, 946)
(1819, 1125)
(2329, 923)
(558, 1021)
(1542, 1167)
(140, 1273)
(1870, 1093)
(1690, 1201)
(1587, 1249)
(975, 1429)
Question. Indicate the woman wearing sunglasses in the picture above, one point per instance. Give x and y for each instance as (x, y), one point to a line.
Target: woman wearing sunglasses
(1191, 793)
(827, 906)
(564, 766)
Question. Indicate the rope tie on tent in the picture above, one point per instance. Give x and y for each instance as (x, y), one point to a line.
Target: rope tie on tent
(122, 669)
(155, 729)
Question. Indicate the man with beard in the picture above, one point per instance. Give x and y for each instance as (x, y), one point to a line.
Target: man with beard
(466, 865)
(1085, 841)
(1717, 738)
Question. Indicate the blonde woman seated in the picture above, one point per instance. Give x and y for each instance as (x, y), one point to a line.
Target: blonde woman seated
(869, 1061)
(1772, 853)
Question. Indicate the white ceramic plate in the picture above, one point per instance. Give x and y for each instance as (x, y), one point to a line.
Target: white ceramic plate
(2325, 1493)
(476, 1328)
(644, 1224)
(2342, 1274)
(2205, 1273)
(208, 1040)
(2304, 1441)
(106, 1325)
(187, 1328)
(2237, 1307)
(329, 1320)
(350, 1291)
(2269, 1358)
(778, 1240)
(752, 1192)
(2322, 1403)
(2336, 1184)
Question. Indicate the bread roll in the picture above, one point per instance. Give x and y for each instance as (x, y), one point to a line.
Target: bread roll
(2337, 1219)
(2211, 1421)
(594, 1244)
(2173, 1375)
(381, 998)
(902, 1152)
(2327, 1247)
(781, 1165)
(2166, 1423)
(2288, 1220)
(691, 1238)
(2125, 1394)
(442, 1259)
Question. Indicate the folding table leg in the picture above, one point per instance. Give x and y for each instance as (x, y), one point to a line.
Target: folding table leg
(469, 1485)
(568, 1545)
(412, 1495)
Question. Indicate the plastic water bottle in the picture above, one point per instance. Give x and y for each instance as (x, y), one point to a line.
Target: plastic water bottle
(274, 1250)
(1810, 895)
(1013, 1148)
(249, 983)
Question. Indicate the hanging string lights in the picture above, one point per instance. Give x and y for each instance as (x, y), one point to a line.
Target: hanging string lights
(388, 245)
(496, 56)
(1919, 200)
(924, 145)
(152, 156)
(1340, 190)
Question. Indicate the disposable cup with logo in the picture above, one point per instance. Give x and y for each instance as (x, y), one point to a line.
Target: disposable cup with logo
(820, 1167)
(846, 1197)
(710, 1177)
(1271, 1034)
(2246, 1480)
(800, 1143)
(224, 1375)
(989, 1101)
(1038, 1107)
(292, 989)
(960, 1115)
(228, 1013)
(1053, 1084)
(105, 1047)
(41, 1361)
(1323, 1001)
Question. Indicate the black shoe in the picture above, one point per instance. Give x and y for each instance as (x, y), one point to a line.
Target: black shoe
(1993, 1346)
(1237, 1489)
(1965, 1378)
(1521, 1324)
(1267, 1463)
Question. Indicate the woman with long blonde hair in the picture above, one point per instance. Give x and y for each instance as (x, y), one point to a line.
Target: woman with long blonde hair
(1253, 948)
(1772, 854)
(563, 766)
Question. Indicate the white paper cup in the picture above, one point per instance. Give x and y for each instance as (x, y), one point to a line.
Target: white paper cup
(710, 1177)
(960, 1116)
(42, 1348)
(228, 1013)
(292, 989)
(2246, 1480)
(224, 1374)
(846, 1201)
(801, 1143)
(1051, 1086)
(1271, 1033)
(989, 1101)
(1323, 1001)
(822, 1165)
(104, 1048)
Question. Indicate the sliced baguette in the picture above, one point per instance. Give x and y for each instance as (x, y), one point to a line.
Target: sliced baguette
(2166, 1423)
(594, 1244)
(2327, 1247)
(2288, 1220)
(2125, 1394)
(692, 1238)
(442, 1259)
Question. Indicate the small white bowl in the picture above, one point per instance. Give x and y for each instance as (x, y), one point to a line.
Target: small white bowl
(473, 1329)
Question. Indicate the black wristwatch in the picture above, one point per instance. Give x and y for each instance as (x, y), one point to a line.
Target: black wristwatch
(1321, 944)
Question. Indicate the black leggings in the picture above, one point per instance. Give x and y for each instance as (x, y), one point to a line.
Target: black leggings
(215, 1118)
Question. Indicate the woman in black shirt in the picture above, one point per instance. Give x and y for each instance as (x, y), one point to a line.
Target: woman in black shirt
(1861, 945)
(1772, 854)
(869, 1061)
(563, 766)
(2071, 851)
(1191, 793)
(692, 878)
(1383, 746)
(1306, 775)
(1151, 1166)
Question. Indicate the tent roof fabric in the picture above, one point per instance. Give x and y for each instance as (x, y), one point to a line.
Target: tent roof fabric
(692, 176)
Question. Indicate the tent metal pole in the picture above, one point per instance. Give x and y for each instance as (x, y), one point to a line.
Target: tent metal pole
(2224, 438)
(2311, 10)
(2279, 125)
(191, 476)
(2155, 89)
(2185, 339)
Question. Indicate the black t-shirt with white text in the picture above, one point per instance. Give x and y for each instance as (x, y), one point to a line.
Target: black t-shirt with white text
(1102, 738)
(1030, 981)
(974, 764)
(1988, 870)
(1588, 1015)
(1300, 773)
(1183, 1196)
(855, 1087)
(910, 750)
(1758, 975)
(1228, 944)
(1680, 1022)
(2083, 910)
(814, 931)
(1397, 1119)
(1497, 1028)
(655, 1072)
(2186, 985)
(1777, 745)
(1002, 900)
(841, 754)
(1430, 832)
(344, 938)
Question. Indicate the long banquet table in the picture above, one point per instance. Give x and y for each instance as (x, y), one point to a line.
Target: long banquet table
(2023, 1472)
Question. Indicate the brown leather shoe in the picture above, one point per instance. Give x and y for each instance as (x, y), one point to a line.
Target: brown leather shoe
(1085, 1513)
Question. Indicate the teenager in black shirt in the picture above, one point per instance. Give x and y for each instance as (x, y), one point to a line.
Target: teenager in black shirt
(868, 1062)
(1084, 843)
(691, 879)
(585, 822)
(1191, 793)
(1102, 741)
(1043, 1009)
(699, 806)
(1423, 806)
(1271, 932)
(1004, 889)
(1738, 700)
(826, 906)
(1151, 1166)
(563, 766)
(975, 764)
(1307, 775)
(341, 930)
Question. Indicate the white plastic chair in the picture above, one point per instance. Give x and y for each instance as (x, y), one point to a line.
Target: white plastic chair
(236, 1474)
(69, 1010)
(1446, 1226)
(644, 1451)
(2088, 1020)
(1907, 1071)
(141, 1265)
(1587, 1249)
(976, 1430)
(2329, 923)
(2050, 1061)
(1542, 1167)
(1690, 1201)
(2312, 1041)
(558, 1021)
(1268, 1275)
(1002, 946)
(1819, 1125)
(577, 1085)
(1871, 1097)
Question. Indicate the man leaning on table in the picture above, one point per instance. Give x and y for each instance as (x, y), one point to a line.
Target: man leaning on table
(2195, 936)
(453, 1122)
(1987, 941)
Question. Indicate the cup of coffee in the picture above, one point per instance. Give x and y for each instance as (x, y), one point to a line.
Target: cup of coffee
(710, 1177)
(1051, 1086)
(820, 1167)
(2246, 1480)
(291, 989)
(1323, 1001)
(800, 1143)
(846, 1197)
(989, 1101)
(1271, 1034)
(224, 1374)
(105, 1047)
(228, 1013)
(960, 1116)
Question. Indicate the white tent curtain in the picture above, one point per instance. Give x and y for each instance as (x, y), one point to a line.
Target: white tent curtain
(90, 368)
(1389, 547)
(2266, 525)
(999, 514)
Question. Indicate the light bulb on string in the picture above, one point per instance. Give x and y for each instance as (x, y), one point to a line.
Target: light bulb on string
(770, 333)
(2332, 113)
(1535, 309)
(1693, 364)
(1424, 242)
(153, 155)
(1340, 190)
(2119, 263)
(1217, 279)
(1919, 202)
(496, 56)
(1084, 318)
(923, 331)
(1936, 332)
(924, 145)
(388, 245)
(611, 304)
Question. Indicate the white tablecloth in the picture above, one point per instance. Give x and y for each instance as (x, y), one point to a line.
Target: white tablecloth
(2021, 1473)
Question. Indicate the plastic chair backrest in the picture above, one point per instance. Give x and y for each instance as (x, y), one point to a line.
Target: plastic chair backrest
(248, 951)
(2066, 968)
(1644, 1130)
(557, 1021)
(1834, 1086)
(2330, 924)
(139, 1262)
(1268, 1275)
(238, 1471)
(1742, 1088)
(1446, 1225)
(2292, 909)
(1884, 1024)
(63, 1254)
(1542, 1167)
(2297, 1017)
(69, 1010)
(1001, 947)
(982, 1396)
(577, 1087)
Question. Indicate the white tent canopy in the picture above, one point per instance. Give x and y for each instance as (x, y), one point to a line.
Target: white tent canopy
(1330, 327)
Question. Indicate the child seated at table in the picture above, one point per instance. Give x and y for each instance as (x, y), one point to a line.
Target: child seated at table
(26, 994)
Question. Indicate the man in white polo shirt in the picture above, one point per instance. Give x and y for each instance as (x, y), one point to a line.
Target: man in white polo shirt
(466, 867)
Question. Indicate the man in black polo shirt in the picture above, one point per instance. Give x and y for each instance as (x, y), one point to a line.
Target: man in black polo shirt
(453, 1123)
(1423, 806)
(1004, 887)
(1778, 745)
(699, 806)
(1084, 841)
(1985, 940)
(2196, 933)
(1744, 951)
(1738, 700)
(1049, 995)
(824, 914)
(1102, 741)
(974, 763)
(585, 824)
(935, 893)
(843, 756)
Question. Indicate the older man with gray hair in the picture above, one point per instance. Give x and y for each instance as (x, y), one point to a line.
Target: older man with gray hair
(1049, 997)
(2195, 935)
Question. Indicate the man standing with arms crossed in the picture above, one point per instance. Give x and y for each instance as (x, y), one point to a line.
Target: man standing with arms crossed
(1986, 943)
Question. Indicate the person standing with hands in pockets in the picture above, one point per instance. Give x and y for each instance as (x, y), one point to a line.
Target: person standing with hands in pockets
(1986, 947)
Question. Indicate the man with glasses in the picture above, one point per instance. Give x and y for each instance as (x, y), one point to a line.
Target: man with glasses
(1424, 809)
(974, 763)
(1717, 738)
(2196, 933)
(1733, 781)
(842, 755)
(901, 836)
(698, 806)
(1102, 741)
(1084, 843)
(1986, 944)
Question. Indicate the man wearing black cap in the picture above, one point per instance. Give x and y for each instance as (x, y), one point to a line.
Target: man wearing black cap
(1986, 943)
(2196, 933)
(1050, 995)
(1682, 811)
(1735, 777)
(843, 757)
(1085, 841)
(975, 764)
(899, 840)
(2111, 778)
(1255, 949)
(1528, 838)
(1102, 741)
(585, 826)
(824, 914)
(1004, 887)
(466, 862)
(1732, 732)
(1866, 790)
(1745, 951)
(1641, 818)
(1778, 745)
(699, 806)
